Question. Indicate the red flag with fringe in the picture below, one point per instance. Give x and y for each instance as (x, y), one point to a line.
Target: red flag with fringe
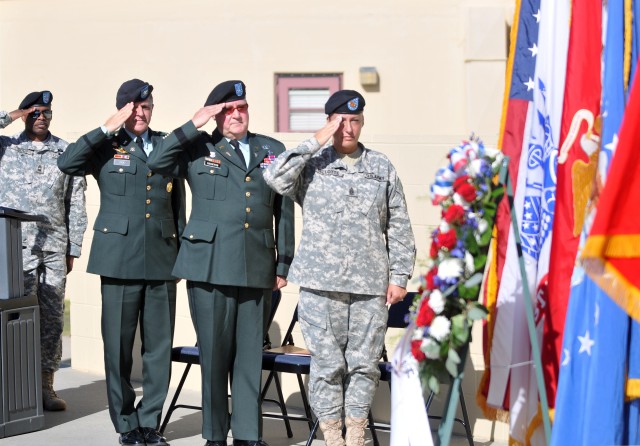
(577, 167)
(612, 252)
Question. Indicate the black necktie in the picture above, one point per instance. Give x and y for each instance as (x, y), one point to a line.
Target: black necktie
(140, 143)
(236, 147)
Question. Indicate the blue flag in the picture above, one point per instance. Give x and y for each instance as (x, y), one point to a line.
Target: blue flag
(599, 335)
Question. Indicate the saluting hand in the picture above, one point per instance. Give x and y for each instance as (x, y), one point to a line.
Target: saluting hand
(17, 114)
(325, 133)
(116, 121)
(395, 294)
(203, 115)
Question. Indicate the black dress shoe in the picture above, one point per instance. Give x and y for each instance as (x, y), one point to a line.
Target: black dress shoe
(249, 443)
(215, 443)
(153, 437)
(132, 437)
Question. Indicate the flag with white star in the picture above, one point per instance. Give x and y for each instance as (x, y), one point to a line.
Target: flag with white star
(530, 131)
(598, 386)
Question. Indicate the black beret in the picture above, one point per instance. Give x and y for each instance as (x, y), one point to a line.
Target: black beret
(348, 102)
(133, 90)
(36, 98)
(227, 91)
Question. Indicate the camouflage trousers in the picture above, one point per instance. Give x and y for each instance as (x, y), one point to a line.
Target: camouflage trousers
(345, 334)
(45, 276)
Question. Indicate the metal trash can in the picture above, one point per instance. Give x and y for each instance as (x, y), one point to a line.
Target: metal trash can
(20, 374)
(20, 379)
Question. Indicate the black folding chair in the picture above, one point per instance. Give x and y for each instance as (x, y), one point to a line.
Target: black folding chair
(190, 355)
(287, 359)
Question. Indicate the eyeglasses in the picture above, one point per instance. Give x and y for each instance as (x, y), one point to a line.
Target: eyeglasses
(241, 108)
(48, 114)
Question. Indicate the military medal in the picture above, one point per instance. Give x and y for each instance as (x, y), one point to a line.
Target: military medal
(267, 159)
(121, 159)
(212, 162)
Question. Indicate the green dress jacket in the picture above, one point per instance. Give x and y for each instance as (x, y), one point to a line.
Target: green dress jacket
(230, 238)
(142, 213)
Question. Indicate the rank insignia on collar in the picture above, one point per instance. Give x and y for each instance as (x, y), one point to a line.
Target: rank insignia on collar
(169, 186)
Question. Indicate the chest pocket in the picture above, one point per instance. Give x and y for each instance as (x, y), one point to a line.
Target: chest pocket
(209, 182)
(369, 195)
(120, 180)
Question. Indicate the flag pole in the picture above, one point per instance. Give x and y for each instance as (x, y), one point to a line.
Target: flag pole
(505, 179)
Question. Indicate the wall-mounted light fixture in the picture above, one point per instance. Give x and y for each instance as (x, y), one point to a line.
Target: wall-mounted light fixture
(369, 76)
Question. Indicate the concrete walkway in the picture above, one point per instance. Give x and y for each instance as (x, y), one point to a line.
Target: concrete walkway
(86, 421)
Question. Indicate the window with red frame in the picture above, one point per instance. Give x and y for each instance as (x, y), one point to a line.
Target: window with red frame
(300, 100)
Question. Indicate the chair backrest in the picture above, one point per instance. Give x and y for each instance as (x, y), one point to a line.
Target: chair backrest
(276, 296)
(288, 336)
(399, 312)
(398, 317)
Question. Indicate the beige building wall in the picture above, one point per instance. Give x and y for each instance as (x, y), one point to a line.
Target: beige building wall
(441, 67)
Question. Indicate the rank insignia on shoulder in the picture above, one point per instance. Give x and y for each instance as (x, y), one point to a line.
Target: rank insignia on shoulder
(169, 186)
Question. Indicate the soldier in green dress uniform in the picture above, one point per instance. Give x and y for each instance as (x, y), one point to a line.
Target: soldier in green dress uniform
(135, 244)
(236, 248)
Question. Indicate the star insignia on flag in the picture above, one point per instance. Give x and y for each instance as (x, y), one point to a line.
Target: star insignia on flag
(530, 84)
(586, 343)
(613, 144)
(534, 50)
(537, 16)
(567, 357)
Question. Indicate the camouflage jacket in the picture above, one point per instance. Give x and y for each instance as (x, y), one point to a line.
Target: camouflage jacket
(356, 234)
(31, 181)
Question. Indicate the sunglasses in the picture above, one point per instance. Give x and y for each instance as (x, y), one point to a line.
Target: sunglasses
(241, 108)
(48, 114)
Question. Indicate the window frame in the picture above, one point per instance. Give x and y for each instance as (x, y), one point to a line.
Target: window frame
(287, 82)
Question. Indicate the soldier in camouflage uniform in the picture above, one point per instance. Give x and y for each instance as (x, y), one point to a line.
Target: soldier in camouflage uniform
(356, 254)
(32, 182)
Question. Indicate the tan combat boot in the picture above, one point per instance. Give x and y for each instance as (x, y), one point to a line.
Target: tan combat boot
(332, 431)
(50, 399)
(355, 431)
